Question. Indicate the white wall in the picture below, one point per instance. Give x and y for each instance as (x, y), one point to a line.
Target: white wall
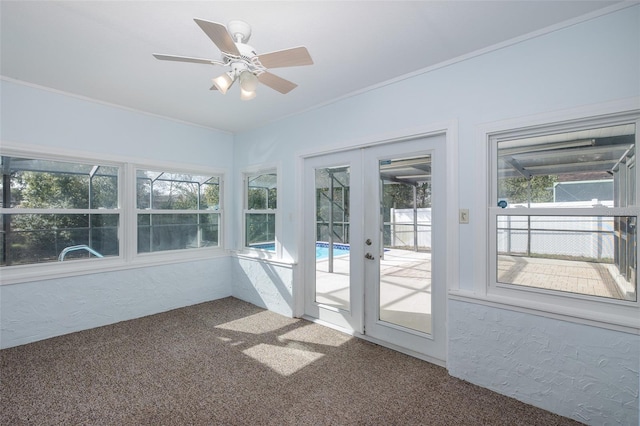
(249, 276)
(39, 310)
(41, 118)
(589, 63)
(582, 372)
(35, 116)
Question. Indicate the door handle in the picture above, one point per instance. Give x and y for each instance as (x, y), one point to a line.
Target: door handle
(368, 256)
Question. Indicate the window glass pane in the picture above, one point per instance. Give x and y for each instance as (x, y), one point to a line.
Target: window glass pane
(262, 193)
(36, 238)
(174, 195)
(29, 183)
(176, 191)
(47, 184)
(569, 169)
(50, 191)
(260, 231)
(143, 193)
(210, 195)
(591, 255)
(104, 192)
(160, 232)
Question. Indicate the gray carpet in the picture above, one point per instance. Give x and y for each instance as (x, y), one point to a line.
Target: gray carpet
(228, 362)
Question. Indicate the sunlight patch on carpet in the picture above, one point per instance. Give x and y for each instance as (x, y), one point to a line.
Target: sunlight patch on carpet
(282, 360)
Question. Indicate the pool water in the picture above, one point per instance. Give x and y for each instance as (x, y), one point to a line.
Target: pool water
(322, 249)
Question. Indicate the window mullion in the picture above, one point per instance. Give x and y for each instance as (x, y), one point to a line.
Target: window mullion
(129, 236)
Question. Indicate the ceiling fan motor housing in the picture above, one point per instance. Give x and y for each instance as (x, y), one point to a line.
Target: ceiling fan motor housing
(240, 31)
(246, 52)
(246, 61)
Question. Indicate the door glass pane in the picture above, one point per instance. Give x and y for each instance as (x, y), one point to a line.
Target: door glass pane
(332, 237)
(405, 259)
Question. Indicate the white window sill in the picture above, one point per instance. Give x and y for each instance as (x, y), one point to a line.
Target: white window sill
(54, 270)
(622, 318)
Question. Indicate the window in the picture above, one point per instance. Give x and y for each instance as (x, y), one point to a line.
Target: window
(564, 214)
(67, 215)
(58, 211)
(177, 211)
(260, 210)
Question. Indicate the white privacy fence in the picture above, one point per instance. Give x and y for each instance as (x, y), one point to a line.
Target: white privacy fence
(402, 231)
(556, 236)
(590, 237)
(582, 237)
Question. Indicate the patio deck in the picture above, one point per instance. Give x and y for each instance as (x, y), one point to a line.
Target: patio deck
(405, 282)
(590, 278)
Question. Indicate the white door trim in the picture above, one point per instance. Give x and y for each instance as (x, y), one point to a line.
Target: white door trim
(450, 130)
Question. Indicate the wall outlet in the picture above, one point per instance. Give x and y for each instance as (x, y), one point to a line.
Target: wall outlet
(464, 216)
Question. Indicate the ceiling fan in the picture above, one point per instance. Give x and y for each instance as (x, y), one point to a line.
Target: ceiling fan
(245, 64)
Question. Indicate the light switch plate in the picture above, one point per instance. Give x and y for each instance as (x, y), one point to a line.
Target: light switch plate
(464, 216)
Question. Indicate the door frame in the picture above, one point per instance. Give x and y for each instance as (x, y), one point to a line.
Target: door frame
(450, 130)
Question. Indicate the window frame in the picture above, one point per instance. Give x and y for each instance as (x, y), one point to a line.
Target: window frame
(256, 251)
(47, 270)
(152, 211)
(127, 232)
(580, 307)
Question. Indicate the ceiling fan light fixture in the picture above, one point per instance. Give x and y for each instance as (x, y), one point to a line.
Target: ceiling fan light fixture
(223, 82)
(248, 81)
(247, 95)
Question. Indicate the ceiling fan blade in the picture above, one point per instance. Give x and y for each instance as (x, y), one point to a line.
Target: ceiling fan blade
(185, 59)
(276, 83)
(293, 57)
(219, 36)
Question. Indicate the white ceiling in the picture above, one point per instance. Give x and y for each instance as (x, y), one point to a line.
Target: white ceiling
(102, 49)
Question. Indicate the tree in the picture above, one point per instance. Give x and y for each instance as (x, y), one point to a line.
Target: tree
(37, 237)
(538, 189)
(400, 195)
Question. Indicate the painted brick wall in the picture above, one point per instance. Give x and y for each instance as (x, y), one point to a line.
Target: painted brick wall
(265, 284)
(39, 310)
(586, 373)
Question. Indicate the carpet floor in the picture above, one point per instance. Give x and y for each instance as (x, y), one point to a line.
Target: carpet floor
(228, 362)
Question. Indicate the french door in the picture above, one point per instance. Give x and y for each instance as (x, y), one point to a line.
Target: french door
(374, 243)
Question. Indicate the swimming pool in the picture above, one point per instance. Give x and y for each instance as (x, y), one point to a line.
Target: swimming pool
(322, 249)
